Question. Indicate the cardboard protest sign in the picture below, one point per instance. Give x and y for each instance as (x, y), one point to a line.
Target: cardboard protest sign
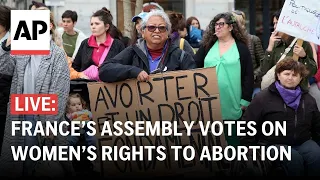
(301, 19)
(191, 95)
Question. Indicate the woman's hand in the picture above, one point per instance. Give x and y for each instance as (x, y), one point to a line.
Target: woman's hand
(243, 108)
(273, 38)
(143, 76)
(299, 51)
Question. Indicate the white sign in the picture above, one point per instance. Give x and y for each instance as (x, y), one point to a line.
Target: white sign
(301, 19)
(30, 32)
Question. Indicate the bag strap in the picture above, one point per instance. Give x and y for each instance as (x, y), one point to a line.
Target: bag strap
(287, 50)
(105, 53)
(181, 56)
(181, 43)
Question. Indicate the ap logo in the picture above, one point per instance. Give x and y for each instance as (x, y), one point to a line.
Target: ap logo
(30, 32)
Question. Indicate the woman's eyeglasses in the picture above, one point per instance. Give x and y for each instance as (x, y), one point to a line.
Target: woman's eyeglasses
(152, 28)
(220, 24)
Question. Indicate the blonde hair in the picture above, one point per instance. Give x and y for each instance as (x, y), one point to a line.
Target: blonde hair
(54, 34)
(241, 18)
(76, 95)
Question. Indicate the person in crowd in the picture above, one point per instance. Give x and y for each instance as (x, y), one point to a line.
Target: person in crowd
(153, 53)
(255, 48)
(280, 41)
(4, 22)
(179, 24)
(35, 5)
(137, 20)
(151, 6)
(194, 32)
(225, 48)
(99, 47)
(6, 70)
(35, 74)
(286, 101)
(71, 37)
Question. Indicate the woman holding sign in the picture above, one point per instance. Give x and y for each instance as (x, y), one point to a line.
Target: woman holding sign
(151, 54)
(278, 43)
(286, 101)
(224, 47)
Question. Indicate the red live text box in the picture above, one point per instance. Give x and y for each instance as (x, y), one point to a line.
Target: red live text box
(35, 104)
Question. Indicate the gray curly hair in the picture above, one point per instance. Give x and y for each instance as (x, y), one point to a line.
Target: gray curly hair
(156, 13)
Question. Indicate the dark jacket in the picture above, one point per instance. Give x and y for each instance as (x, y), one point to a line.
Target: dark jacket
(131, 61)
(6, 72)
(268, 105)
(246, 68)
(83, 59)
(257, 55)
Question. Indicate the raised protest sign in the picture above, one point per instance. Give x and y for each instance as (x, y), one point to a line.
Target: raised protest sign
(301, 19)
(191, 95)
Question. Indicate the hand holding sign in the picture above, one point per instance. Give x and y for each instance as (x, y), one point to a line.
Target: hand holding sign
(298, 49)
(143, 76)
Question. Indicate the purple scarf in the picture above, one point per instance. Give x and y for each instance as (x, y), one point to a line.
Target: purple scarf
(174, 36)
(290, 97)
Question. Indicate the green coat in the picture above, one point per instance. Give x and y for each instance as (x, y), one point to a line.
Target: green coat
(271, 58)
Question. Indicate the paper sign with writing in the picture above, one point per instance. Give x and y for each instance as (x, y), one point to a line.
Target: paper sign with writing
(301, 19)
(191, 95)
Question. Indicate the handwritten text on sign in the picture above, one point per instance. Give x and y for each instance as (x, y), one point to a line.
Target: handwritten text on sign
(175, 96)
(301, 19)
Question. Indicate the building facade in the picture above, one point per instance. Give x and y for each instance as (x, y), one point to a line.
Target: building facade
(258, 12)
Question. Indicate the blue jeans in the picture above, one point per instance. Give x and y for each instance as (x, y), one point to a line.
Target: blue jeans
(90, 140)
(305, 160)
(29, 141)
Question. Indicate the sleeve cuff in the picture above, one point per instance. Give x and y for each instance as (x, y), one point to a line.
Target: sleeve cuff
(135, 72)
(4, 47)
(244, 102)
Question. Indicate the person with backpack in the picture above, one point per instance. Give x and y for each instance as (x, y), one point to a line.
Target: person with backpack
(179, 24)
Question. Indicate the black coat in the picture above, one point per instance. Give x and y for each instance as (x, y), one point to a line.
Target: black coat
(83, 59)
(131, 61)
(268, 105)
(5, 84)
(7, 70)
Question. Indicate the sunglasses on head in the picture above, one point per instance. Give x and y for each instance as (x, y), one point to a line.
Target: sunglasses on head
(237, 12)
(152, 28)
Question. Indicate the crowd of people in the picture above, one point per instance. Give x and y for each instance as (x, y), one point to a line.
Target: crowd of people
(164, 41)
